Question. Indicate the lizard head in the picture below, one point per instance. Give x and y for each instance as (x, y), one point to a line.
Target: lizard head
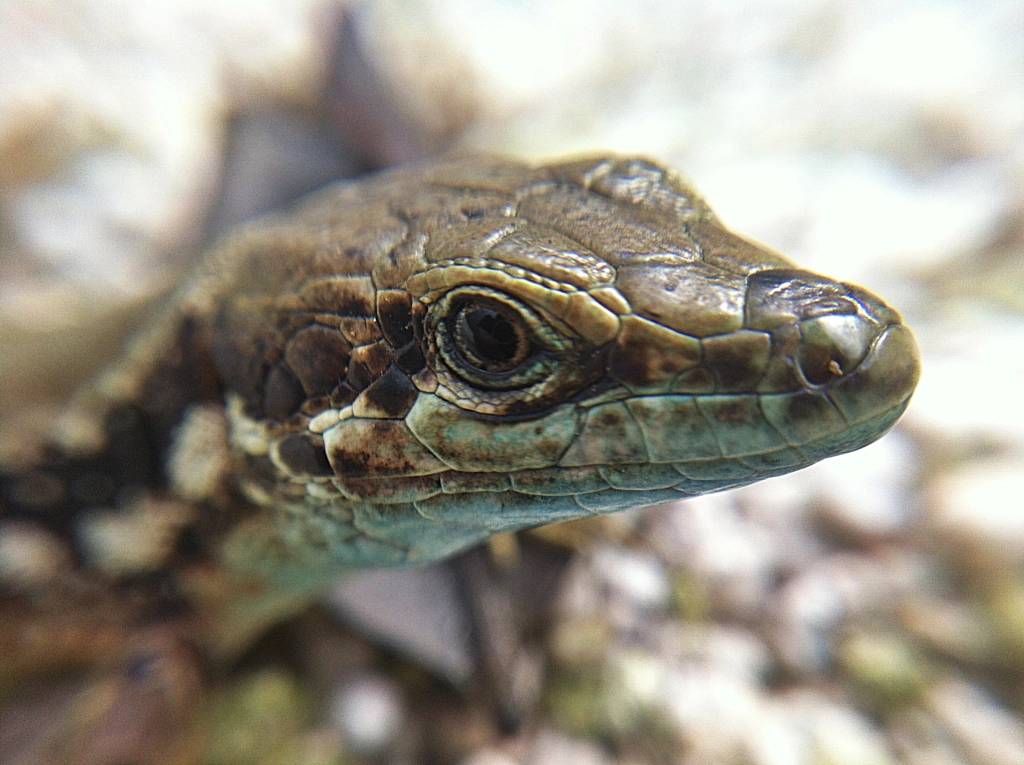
(536, 344)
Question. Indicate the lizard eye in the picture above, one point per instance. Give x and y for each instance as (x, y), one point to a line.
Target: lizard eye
(491, 337)
(493, 342)
(495, 353)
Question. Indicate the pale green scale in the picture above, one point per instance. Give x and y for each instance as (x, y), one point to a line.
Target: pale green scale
(474, 444)
(715, 470)
(396, 490)
(609, 436)
(852, 438)
(777, 462)
(824, 419)
(739, 425)
(674, 429)
(465, 483)
(499, 511)
(559, 481)
(612, 501)
(402, 525)
(642, 476)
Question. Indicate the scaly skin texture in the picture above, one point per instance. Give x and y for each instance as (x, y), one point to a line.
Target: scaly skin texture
(406, 365)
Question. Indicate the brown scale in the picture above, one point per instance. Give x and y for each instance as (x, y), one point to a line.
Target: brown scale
(282, 393)
(319, 358)
(359, 330)
(376, 358)
(394, 313)
(344, 296)
(411, 359)
(737, 360)
(342, 395)
(315, 405)
(391, 395)
(359, 377)
(304, 454)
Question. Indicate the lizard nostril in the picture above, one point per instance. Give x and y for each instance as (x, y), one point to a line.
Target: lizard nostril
(833, 345)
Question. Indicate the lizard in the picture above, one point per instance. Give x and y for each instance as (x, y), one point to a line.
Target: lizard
(405, 365)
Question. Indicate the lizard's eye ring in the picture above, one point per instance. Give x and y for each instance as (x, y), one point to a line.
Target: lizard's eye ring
(491, 341)
(491, 337)
(495, 352)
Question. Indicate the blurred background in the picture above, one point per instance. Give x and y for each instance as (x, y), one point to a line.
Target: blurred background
(867, 610)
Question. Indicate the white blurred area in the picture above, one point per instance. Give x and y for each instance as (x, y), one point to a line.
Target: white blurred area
(112, 116)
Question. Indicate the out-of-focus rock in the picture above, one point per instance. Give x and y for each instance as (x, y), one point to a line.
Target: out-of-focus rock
(888, 669)
(369, 713)
(977, 509)
(986, 730)
(417, 612)
(553, 748)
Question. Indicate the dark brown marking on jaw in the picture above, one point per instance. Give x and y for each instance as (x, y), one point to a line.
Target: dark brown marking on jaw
(342, 395)
(392, 394)
(377, 358)
(368, 448)
(394, 312)
(304, 455)
(805, 406)
(411, 359)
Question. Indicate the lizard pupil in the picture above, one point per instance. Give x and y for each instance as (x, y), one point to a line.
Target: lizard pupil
(495, 338)
(491, 341)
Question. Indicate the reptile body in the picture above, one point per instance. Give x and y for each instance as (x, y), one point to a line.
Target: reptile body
(408, 364)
